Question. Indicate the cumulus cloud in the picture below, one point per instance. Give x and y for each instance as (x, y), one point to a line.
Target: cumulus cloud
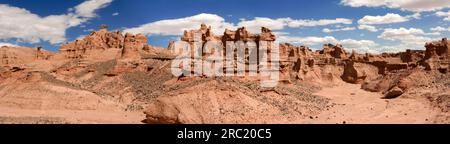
(255, 25)
(368, 27)
(87, 9)
(321, 22)
(115, 14)
(22, 25)
(309, 41)
(361, 46)
(327, 30)
(446, 15)
(177, 26)
(368, 22)
(415, 16)
(386, 19)
(407, 5)
(440, 29)
(412, 37)
(280, 23)
(401, 33)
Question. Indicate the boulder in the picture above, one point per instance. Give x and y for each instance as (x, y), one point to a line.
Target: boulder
(393, 93)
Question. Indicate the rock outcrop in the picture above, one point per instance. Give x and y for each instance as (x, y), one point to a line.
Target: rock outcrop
(42, 54)
(103, 44)
(399, 71)
(437, 56)
(336, 51)
(133, 44)
(20, 56)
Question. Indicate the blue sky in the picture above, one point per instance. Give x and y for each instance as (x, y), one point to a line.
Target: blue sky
(363, 25)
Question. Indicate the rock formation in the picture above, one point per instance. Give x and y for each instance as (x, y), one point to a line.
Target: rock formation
(336, 51)
(437, 56)
(20, 56)
(42, 54)
(104, 42)
(133, 44)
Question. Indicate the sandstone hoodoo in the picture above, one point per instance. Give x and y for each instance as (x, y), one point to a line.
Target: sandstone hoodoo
(115, 77)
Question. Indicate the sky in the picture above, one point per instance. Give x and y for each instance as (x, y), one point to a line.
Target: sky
(363, 25)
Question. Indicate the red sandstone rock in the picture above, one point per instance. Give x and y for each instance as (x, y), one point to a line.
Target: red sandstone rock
(393, 93)
(267, 35)
(101, 42)
(336, 51)
(132, 45)
(437, 56)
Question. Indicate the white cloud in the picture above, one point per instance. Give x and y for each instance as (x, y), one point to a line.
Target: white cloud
(407, 5)
(368, 27)
(87, 9)
(280, 23)
(348, 44)
(412, 37)
(415, 16)
(24, 26)
(115, 14)
(444, 14)
(360, 45)
(367, 22)
(177, 26)
(254, 26)
(400, 33)
(7, 44)
(321, 22)
(308, 41)
(327, 30)
(440, 29)
(386, 19)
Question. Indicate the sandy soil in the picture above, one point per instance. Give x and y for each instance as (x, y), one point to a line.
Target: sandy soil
(37, 103)
(14, 115)
(350, 104)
